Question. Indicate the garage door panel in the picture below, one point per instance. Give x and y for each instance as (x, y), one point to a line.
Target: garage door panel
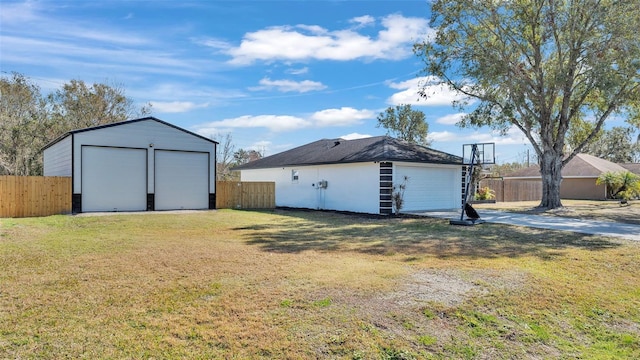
(429, 188)
(181, 180)
(114, 179)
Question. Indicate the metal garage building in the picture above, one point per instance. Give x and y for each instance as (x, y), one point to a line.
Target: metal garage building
(135, 165)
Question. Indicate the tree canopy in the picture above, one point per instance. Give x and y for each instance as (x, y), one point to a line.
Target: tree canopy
(29, 120)
(23, 126)
(538, 65)
(616, 144)
(405, 124)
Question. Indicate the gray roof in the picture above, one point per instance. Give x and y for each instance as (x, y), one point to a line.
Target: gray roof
(125, 123)
(338, 151)
(582, 165)
(633, 167)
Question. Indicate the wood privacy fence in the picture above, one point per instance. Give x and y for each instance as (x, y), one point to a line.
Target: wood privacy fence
(25, 196)
(245, 195)
(514, 190)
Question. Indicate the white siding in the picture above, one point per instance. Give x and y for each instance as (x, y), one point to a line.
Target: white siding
(148, 134)
(182, 180)
(350, 187)
(114, 179)
(57, 158)
(429, 186)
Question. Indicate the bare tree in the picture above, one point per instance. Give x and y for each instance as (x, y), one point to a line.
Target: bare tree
(225, 159)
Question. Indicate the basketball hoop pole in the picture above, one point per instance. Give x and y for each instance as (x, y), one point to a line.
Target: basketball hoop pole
(474, 153)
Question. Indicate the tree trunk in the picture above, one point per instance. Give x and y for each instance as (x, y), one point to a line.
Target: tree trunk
(551, 171)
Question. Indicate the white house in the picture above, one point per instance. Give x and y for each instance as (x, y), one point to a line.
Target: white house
(359, 175)
(135, 165)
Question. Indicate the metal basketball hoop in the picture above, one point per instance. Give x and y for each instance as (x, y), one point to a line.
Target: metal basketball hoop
(472, 155)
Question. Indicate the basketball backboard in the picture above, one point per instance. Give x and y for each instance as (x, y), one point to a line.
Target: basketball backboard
(485, 153)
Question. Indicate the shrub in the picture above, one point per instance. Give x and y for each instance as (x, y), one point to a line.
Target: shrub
(397, 195)
(485, 193)
(620, 185)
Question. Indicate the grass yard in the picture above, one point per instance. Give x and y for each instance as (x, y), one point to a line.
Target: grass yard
(297, 285)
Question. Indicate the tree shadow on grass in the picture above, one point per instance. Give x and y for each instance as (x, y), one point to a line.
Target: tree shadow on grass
(299, 231)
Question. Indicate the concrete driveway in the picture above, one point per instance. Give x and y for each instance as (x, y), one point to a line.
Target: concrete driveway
(594, 227)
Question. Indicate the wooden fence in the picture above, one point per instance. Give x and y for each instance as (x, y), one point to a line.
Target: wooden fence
(245, 195)
(26, 196)
(514, 190)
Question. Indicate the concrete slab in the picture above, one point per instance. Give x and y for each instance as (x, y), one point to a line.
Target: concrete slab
(583, 226)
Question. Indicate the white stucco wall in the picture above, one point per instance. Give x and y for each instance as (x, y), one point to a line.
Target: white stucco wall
(350, 187)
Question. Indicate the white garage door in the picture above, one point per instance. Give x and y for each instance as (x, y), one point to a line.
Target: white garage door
(182, 180)
(114, 179)
(429, 188)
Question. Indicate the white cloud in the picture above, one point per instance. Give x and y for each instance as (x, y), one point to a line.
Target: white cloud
(14, 17)
(345, 116)
(306, 42)
(289, 85)
(364, 20)
(213, 43)
(300, 71)
(354, 136)
(275, 123)
(513, 137)
(438, 94)
(176, 106)
(450, 119)
(443, 136)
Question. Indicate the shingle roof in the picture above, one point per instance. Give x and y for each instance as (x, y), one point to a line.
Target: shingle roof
(582, 165)
(335, 151)
(633, 167)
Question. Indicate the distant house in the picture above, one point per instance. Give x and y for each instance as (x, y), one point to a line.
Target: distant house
(578, 177)
(358, 175)
(633, 167)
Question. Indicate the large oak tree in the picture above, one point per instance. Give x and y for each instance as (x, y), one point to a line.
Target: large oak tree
(538, 65)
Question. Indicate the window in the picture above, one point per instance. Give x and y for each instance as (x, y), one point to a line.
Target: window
(294, 176)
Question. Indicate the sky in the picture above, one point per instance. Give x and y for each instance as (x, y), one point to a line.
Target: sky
(272, 74)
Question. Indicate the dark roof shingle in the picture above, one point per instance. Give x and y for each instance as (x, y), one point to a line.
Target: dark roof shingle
(335, 151)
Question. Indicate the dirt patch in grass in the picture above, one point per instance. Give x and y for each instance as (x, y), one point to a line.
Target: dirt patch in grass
(294, 285)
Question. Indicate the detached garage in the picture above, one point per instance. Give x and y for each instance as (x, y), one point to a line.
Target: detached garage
(135, 165)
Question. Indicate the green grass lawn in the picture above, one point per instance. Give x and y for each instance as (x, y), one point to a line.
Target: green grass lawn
(296, 285)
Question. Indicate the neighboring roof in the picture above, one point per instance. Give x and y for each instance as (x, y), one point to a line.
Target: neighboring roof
(124, 123)
(582, 165)
(338, 151)
(633, 167)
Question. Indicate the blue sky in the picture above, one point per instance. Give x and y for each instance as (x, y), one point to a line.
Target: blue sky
(273, 74)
